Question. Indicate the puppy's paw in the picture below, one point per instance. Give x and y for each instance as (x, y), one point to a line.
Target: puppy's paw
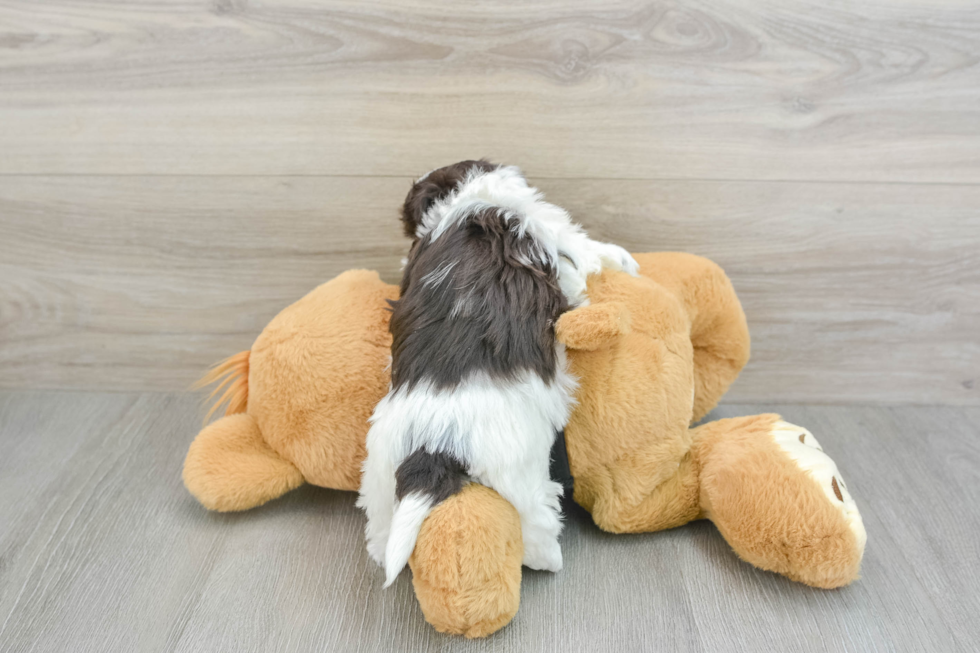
(543, 556)
(376, 549)
(617, 258)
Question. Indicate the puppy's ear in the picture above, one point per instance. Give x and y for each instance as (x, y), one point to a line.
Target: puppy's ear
(593, 327)
(434, 186)
(420, 199)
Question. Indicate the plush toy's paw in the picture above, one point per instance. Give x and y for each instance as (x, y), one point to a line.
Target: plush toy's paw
(800, 445)
(591, 327)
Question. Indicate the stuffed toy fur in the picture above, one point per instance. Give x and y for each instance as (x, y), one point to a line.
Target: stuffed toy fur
(653, 354)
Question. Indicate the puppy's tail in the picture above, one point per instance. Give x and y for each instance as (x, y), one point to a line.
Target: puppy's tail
(423, 481)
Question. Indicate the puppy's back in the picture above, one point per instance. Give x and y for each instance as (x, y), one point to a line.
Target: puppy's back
(480, 297)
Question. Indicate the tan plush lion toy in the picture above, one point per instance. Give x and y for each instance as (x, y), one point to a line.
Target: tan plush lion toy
(653, 354)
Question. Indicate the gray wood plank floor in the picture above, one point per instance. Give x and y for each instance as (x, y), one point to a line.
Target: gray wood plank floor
(102, 549)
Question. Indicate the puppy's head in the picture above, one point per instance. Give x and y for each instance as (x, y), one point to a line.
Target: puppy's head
(435, 186)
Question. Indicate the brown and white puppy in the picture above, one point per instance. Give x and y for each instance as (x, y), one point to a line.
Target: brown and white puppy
(479, 386)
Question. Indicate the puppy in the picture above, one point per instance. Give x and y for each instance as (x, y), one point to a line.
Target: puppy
(479, 386)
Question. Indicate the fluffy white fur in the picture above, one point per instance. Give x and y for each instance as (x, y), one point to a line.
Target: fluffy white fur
(502, 431)
(406, 522)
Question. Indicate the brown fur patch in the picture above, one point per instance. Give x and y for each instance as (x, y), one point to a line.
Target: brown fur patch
(477, 298)
(439, 475)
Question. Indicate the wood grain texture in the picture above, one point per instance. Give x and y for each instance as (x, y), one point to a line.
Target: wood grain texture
(732, 89)
(854, 292)
(103, 550)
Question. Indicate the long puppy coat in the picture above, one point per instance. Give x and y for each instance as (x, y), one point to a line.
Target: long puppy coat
(479, 387)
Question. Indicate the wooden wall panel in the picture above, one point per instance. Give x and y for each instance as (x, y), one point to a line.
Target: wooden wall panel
(854, 292)
(737, 89)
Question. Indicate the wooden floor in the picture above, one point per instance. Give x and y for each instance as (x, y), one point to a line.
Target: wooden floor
(102, 549)
(173, 172)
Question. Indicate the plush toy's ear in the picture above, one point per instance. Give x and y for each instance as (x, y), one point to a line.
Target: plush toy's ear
(594, 326)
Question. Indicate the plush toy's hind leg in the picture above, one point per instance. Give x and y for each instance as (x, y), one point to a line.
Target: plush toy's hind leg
(778, 500)
(466, 566)
(671, 503)
(719, 333)
(229, 466)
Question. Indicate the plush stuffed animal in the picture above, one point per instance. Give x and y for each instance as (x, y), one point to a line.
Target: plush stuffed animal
(653, 355)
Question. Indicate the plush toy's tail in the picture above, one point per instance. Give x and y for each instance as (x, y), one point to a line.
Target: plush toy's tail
(233, 373)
